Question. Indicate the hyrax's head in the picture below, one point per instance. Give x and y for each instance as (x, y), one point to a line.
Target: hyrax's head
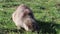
(24, 9)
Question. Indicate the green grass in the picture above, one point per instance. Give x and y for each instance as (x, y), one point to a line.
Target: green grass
(46, 12)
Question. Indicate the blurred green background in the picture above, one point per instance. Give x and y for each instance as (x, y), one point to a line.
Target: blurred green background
(46, 12)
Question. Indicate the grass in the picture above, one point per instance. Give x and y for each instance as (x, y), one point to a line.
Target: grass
(46, 12)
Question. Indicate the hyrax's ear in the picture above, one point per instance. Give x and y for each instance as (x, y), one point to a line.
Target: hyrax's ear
(26, 12)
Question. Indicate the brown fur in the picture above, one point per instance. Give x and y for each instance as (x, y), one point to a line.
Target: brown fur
(23, 17)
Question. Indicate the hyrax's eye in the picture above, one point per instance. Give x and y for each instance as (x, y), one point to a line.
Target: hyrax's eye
(29, 14)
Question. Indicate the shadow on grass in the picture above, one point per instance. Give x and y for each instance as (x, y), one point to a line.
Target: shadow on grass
(48, 27)
(45, 28)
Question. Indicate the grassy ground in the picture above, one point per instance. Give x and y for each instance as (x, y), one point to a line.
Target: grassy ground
(46, 12)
